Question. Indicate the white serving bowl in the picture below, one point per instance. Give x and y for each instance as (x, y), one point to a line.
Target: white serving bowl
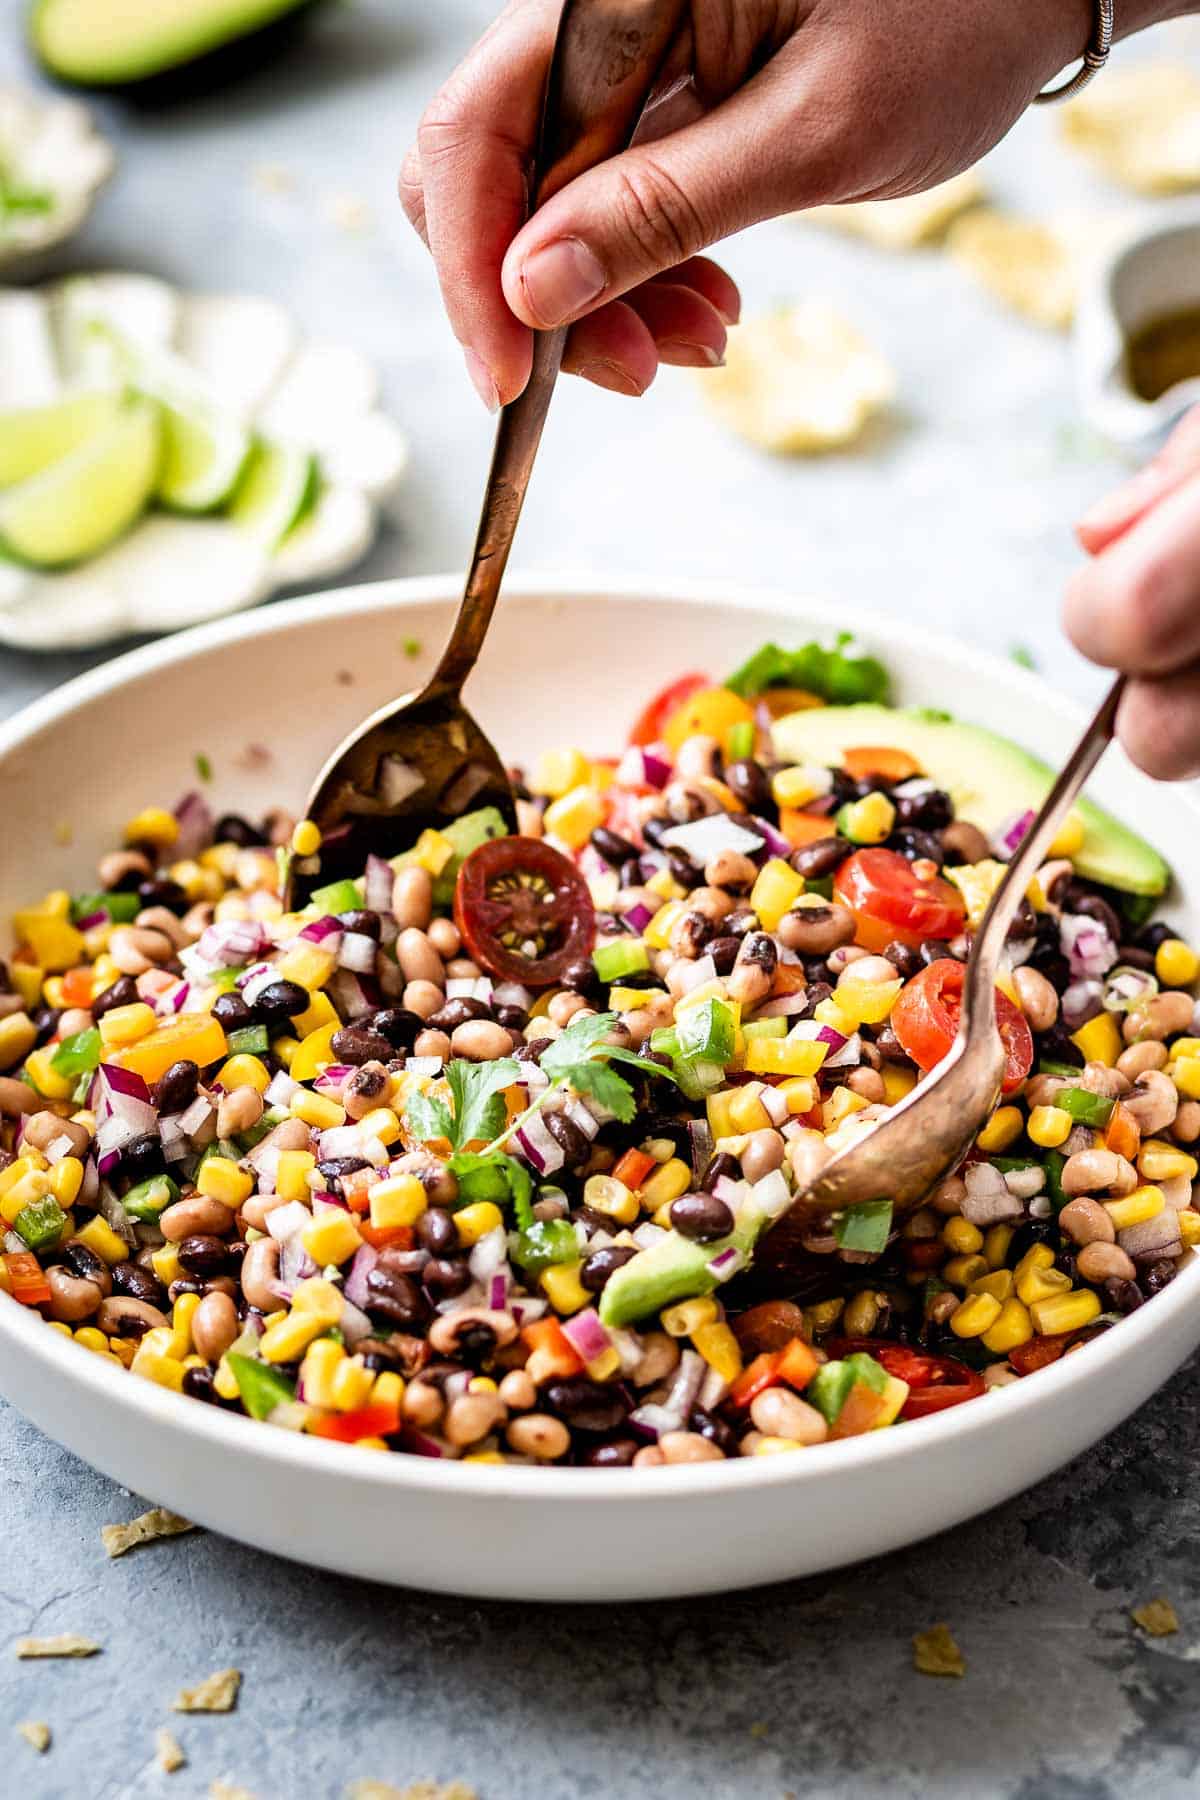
(566, 664)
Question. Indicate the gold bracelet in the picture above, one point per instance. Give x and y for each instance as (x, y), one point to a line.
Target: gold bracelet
(1094, 58)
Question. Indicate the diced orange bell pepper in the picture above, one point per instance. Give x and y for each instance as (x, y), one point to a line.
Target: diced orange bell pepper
(712, 712)
(192, 1037)
(798, 1363)
(633, 1168)
(378, 1420)
(26, 1280)
(880, 759)
(547, 1336)
(861, 1411)
(800, 828)
(1121, 1135)
(756, 1378)
(385, 1237)
(77, 987)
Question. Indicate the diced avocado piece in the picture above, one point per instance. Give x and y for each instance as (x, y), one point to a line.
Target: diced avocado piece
(99, 44)
(988, 778)
(675, 1268)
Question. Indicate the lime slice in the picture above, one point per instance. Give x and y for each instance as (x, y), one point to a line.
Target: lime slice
(78, 505)
(278, 489)
(204, 454)
(33, 437)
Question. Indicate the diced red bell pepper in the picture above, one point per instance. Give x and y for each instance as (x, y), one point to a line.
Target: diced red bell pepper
(798, 1363)
(385, 1237)
(861, 1411)
(26, 1278)
(1040, 1352)
(380, 1419)
(1122, 1135)
(872, 759)
(755, 1378)
(77, 987)
(547, 1338)
(634, 1168)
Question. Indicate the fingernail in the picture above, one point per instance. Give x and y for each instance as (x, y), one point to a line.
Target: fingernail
(685, 355)
(559, 279)
(1124, 500)
(481, 378)
(611, 376)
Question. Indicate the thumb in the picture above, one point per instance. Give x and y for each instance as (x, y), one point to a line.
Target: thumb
(649, 209)
(1176, 462)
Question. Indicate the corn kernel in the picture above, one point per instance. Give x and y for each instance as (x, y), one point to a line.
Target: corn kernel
(556, 772)
(1038, 1256)
(397, 1200)
(66, 1179)
(961, 1271)
(828, 1012)
(1163, 1162)
(962, 1237)
(321, 1361)
(306, 838)
(39, 1066)
(27, 980)
(1049, 1126)
(225, 1381)
(668, 1182)
(166, 1264)
(32, 1187)
(482, 1384)
(897, 1083)
(321, 1298)
(1012, 1326)
(1184, 1046)
(664, 885)
(575, 816)
(316, 1109)
(719, 1348)
(288, 1336)
(561, 1285)
(221, 1179)
(182, 1314)
(996, 1244)
(657, 934)
(474, 1222)
(999, 1284)
(611, 1197)
(473, 1456)
(1189, 1226)
(284, 1050)
(869, 820)
(1069, 839)
(164, 1371)
(126, 1024)
(332, 1238)
(91, 1338)
(28, 1163)
(775, 1446)
(689, 1316)
(1185, 1073)
(1176, 963)
(799, 784)
(1100, 1040)
(1144, 1203)
(99, 1236)
(388, 1389)
(352, 1383)
(382, 1124)
(154, 825)
(1041, 1284)
(776, 887)
(244, 1070)
(974, 1315)
(1001, 1131)
(717, 1110)
(320, 1012)
(1065, 1312)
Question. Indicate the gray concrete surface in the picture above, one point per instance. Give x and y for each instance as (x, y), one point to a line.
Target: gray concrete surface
(956, 512)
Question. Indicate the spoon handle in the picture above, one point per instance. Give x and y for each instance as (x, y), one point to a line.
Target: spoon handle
(606, 58)
(979, 998)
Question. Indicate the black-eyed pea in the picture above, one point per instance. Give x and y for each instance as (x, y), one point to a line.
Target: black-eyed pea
(816, 930)
(72, 1297)
(730, 869)
(17, 1097)
(445, 937)
(422, 1404)
(713, 902)
(1039, 1001)
(563, 1007)
(432, 1043)
(462, 968)
(697, 757)
(214, 1326)
(1091, 1172)
(122, 867)
(412, 899)
(74, 1020)
(121, 1316)
(778, 1412)
(238, 1110)
(134, 951)
(418, 958)
(259, 1273)
(948, 1196)
(44, 1128)
(424, 998)
(839, 960)
(1098, 1078)
(764, 1151)
(1162, 1016)
(1105, 1262)
(539, 1435)
(648, 1457)
(198, 1215)
(1154, 1100)
(479, 1040)
(517, 1391)
(868, 1083)
(1185, 1130)
(470, 1417)
(1140, 1057)
(1086, 1222)
(688, 1447)
(962, 839)
(659, 1358)
(159, 918)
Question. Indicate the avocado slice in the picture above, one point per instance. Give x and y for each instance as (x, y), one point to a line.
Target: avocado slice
(98, 44)
(989, 779)
(675, 1268)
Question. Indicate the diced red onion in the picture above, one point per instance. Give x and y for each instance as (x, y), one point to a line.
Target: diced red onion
(732, 1192)
(123, 1084)
(321, 930)
(355, 1288)
(511, 993)
(700, 1140)
(232, 941)
(915, 787)
(378, 880)
(697, 973)
(713, 1390)
(173, 999)
(582, 1116)
(1087, 945)
(197, 1115)
(1006, 839)
(1081, 1002)
(295, 1264)
(657, 768)
(702, 839)
(57, 1149)
(988, 1200)
(525, 1311)
(89, 1187)
(354, 1322)
(252, 981)
(341, 1140)
(539, 1149)
(784, 1006)
(850, 1053)
(628, 1345)
(195, 822)
(100, 917)
(281, 1090)
(1152, 1234)
(725, 1263)
(498, 1291)
(419, 1443)
(358, 953)
(1124, 987)
(774, 840)
(675, 1410)
(639, 916)
(648, 1233)
(489, 1254)
(288, 1221)
(586, 1335)
(771, 1195)
(332, 1079)
(774, 1103)
(422, 1065)
(353, 995)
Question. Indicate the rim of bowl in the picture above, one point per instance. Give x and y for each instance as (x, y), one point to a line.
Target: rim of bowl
(231, 1433)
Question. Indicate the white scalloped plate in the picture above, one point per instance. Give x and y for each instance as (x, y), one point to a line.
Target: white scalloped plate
(170, 571)
(50, 145)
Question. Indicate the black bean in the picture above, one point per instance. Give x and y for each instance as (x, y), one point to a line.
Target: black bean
(654, 830)
(1056, 1045)
(6, 986)
(361, 922)
(617, 1453)
(930, 812)
(576, 1148)
(1134, 958)
(821, 858)
(190, 1284)
(136, 1283)
(231, 828)
(436, 1231)
(142, 1158)
(581, 977)
(1151, 936)
(814, 993)
(513, 1018)
(333, 1168)
(612, 847)
(458, 1012)
(83, 1262)
(933, 950)
(281, 1001)
(586, 1405)
(531, 1052)
(711, 1426)
(701, 1217)
(1027, 1234)
(358, 1044)
(749, 782)
(631, 873)
(601, 1264)
(198, 1384)
(1124, 1296)
(721, 1164)
(724, 952)
(684, 870)
(45, 1023)
(1024, 924)
(903, 959)
(741, 920)
(444, 1277)
(917, 845)
(889, 1046)
(396, 1298)
(1158, 1276)
(398, 1025)
(175, 1089)
(203, 1254)
(232, 1013)
(161, 891)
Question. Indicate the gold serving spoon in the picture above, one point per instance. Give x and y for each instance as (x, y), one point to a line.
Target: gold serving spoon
(422, 760)
(924, 1138)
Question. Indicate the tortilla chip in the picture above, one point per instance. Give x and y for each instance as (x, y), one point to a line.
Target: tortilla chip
(1140, 126)
(68, 1644)
(936, 1653)
(907, 222)
(1024, 264)
(168, 1752)
(1157, 1617)
(147, 1528)
(35, 1732)
(221, 1790)
(799, 381)
(216, 1693)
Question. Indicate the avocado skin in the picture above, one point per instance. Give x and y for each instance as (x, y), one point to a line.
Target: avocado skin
(168, 72)
(989, 778)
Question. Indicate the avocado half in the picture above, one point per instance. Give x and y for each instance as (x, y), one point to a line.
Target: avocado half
(107, 43)
(989, 779)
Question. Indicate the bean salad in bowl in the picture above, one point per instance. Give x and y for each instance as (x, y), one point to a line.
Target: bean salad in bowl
(469, 1157)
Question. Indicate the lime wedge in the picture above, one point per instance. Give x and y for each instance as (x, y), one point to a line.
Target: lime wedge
(278, 489)
(204, 454)
(78, 505)
(33, 437)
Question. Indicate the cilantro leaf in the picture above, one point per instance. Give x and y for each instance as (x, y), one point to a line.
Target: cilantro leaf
(427, 1117)
(492, 1175)
(543, 1242)
(606, 1086)
(579, 1042)
(478, 1107)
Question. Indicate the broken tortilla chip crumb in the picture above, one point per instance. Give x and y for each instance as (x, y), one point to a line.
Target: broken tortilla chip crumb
(1157, 1617)
(936, 1653)
(147, 1528)
(68, 1643)
(216, 1693)
(168, 1752)
(221, 1790)
(417, 1790)
(37, 1733)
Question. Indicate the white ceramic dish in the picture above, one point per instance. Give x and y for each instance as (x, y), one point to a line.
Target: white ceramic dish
(49, 146)
(567, 663)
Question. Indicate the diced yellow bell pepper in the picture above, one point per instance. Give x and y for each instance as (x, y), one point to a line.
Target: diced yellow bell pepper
(333, 1237)
(867, 1002)
(719, 1348)
(307, 963)
(432, 851)
(314, 1054)
(657, 933)
(556, 772)
(977, 882)
(28, 982)
(191, 1037)
(53, 940)
(575, 816)
(18, 1035)
(774, 891)
(713, 712)
(320, 1012)
(1099, 1040)
(221, 1179)
(785, 1056)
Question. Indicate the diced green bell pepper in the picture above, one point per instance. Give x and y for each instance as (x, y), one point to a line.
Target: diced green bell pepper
(545, 1242)
(624, 956)
(77, 1055)
(864, 1227)
(251, 1040)
(338, 897)
(830, 1387)
(1085, 1107)
(122, 909)
(764, 1028)
(261, 1387)
(40, 1223)
(150, 1197)
(1055, 1162)
(1047, 1066)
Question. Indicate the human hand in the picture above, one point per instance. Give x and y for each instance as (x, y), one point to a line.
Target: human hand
(765, 107)
(1136, 605)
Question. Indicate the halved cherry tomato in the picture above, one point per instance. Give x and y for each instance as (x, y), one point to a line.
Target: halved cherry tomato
(376, 1420)
(648, 727)
(524, 910)
(892, 905)
(1039, 1352)
(707, 712)
(926, 1015)
(934, 1382)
